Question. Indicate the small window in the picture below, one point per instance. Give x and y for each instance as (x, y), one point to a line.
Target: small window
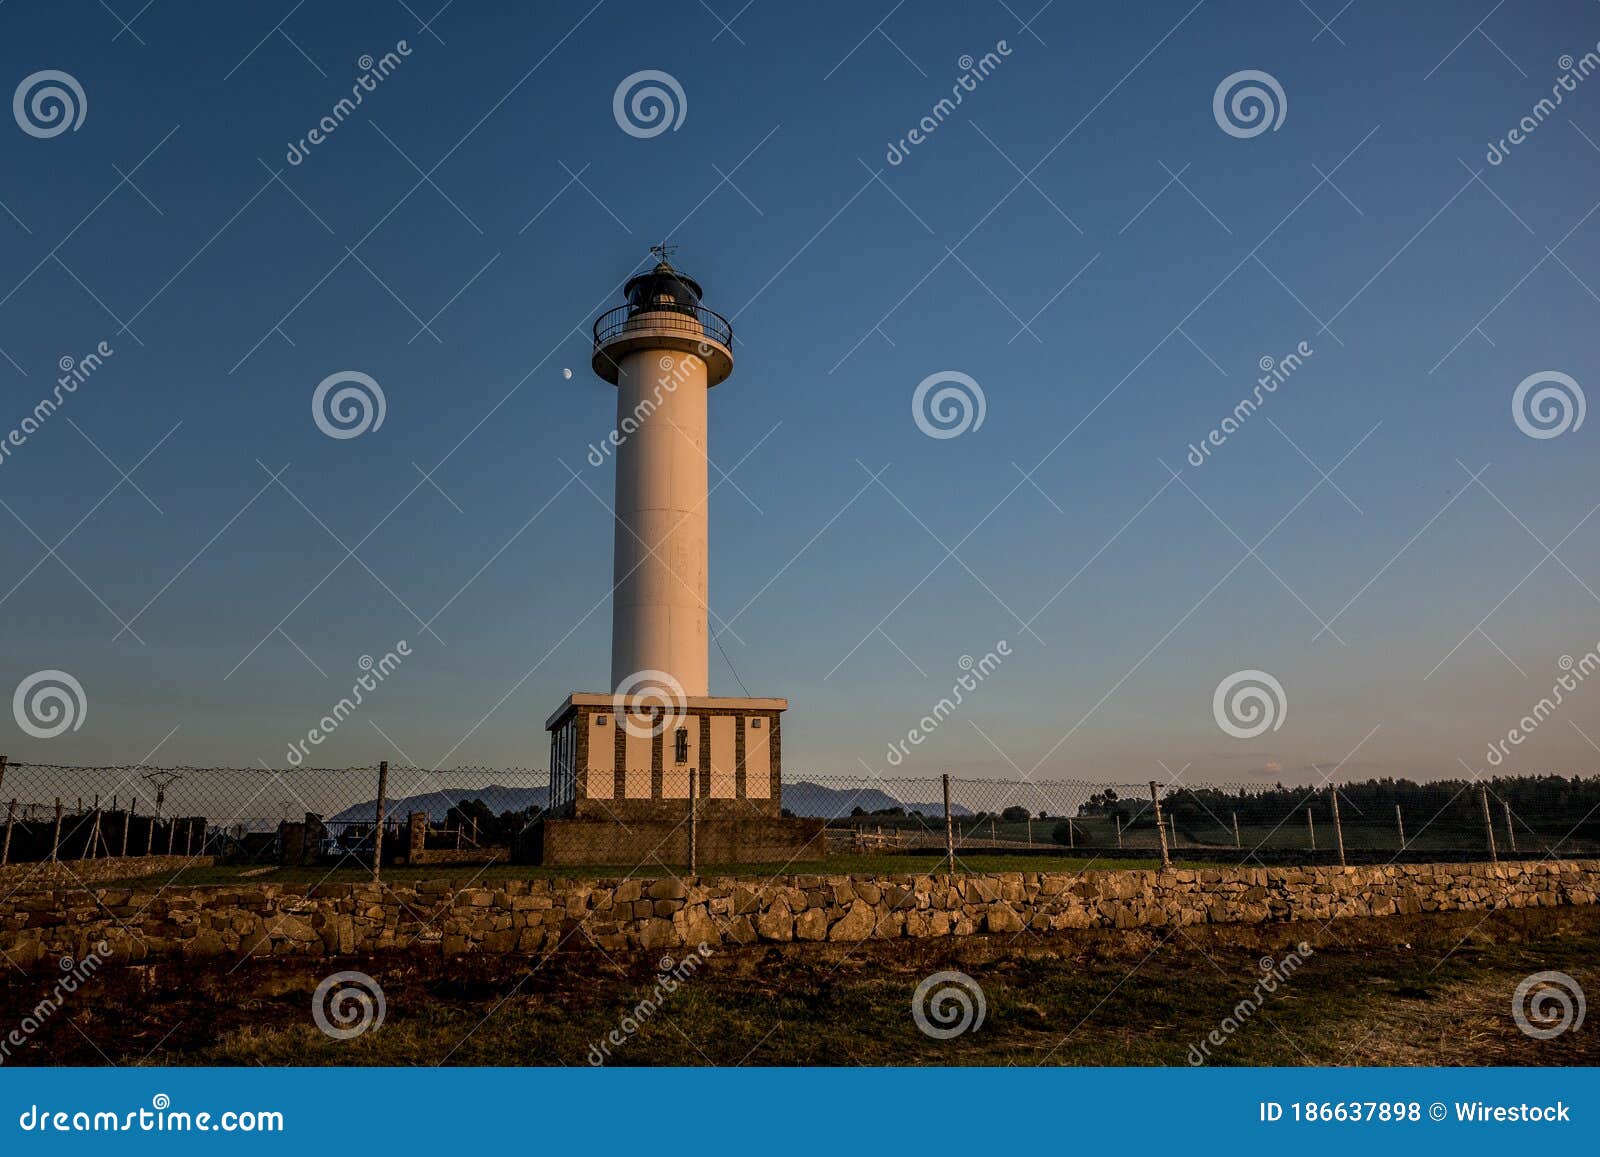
(599, 720)
(755, 723)
(681, 745)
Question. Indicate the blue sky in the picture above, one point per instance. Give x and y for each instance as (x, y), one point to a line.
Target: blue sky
(1427, 283)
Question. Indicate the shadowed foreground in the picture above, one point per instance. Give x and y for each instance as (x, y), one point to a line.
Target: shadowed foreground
(1401, 990)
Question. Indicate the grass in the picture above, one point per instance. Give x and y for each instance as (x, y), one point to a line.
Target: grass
(1397, 990)
(833, 866)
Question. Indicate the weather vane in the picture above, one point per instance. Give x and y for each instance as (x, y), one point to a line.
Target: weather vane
(664, 251)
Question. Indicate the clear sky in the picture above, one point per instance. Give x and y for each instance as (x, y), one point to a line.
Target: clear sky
(1080, 236)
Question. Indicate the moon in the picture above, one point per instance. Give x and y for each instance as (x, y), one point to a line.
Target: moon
(567, 374)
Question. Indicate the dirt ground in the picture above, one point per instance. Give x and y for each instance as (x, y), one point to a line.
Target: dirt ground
(1421, 990)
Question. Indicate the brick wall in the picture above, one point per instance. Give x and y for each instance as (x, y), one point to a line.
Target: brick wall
(524, 916)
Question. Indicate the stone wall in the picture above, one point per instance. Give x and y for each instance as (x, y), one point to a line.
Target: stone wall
(68, 873)
(525, 916)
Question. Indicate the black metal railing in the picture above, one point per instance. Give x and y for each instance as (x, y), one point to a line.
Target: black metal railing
(695, 320)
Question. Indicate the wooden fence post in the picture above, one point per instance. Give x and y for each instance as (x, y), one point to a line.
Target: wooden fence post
(55, 839)
(1161, 830)
(1338, 828)
(1400, 823)
(1311, 828)
(1488, 825)
(1118, 817)
(91, 851)
(11, 818)
(1511, 831)
(1072, 834)
(377, 830)
(172, 834)
(1236, 841)
(949, 829)
(127, 822)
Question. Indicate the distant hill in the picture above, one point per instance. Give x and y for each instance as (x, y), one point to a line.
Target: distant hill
(815, 801)
(437, 804)
(802, 798)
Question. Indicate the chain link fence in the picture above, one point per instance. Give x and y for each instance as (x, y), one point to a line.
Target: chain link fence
(332, 817)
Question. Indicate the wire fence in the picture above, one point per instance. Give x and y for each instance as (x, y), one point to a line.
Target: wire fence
(385, 814)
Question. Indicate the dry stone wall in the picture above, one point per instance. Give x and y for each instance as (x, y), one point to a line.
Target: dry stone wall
(528, 916)
(68, 873)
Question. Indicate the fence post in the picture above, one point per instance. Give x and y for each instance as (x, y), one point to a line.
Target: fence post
(949, 829)
(1237, 843)
(94, 837)
(1338, 828)
(1400, 822)
(127, 822)
(1072, 834)
(1311, 828)
(55, 839)
(1511, 831)
(1488, 826)
(1161, 829)
(377, 830)
(694, 822)
(172, 835)
(1118, 817)
(188, 836)
(11, 818)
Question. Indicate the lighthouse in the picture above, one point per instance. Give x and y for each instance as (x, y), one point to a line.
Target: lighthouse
(664, 351)
(627, 764)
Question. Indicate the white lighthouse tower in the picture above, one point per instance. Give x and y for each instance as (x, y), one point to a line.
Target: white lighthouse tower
(633, 757)
(663, 351)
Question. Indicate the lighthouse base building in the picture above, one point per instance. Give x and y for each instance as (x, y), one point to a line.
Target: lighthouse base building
(636, 774)
(622, 777)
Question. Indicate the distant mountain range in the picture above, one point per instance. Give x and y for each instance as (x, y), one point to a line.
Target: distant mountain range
(802, 799)
(437, 804)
